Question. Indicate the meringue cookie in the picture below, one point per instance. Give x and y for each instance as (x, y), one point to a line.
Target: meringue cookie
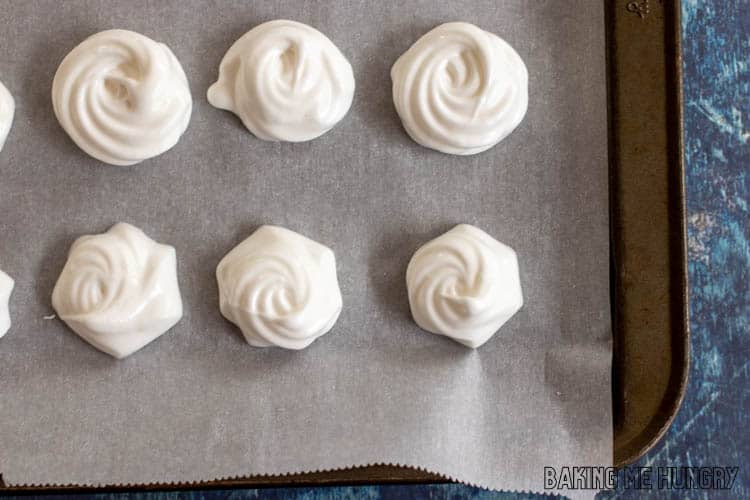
(6, 287)
(464, 285)
(459, 89)
(122, 97)
(280, 288)
(286, 81)
(118, 290)
(7, 109)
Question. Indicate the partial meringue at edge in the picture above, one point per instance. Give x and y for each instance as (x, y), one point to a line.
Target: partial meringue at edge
(6, 287)
(7, 110)
(286, 81)
(280, 288)
(464, 285)
(118, 290)
(122, 97)
(459, 89)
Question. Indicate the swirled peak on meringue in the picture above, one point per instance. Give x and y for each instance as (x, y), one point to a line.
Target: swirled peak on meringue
(7, 109)
(122, 97)
(464, 285)
(118, 290)
(6, 287)
(460, 89)
(286, 81)
(280, 288)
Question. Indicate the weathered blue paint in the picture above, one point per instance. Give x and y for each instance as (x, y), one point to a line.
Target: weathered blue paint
(712, 427)
(389, 492)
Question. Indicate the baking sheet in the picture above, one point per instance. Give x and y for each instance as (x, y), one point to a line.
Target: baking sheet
(200, 404)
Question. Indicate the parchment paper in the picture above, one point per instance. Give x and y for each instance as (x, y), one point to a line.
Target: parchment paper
(199, 403)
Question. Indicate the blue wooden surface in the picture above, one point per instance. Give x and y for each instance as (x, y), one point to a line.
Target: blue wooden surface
(712, 427)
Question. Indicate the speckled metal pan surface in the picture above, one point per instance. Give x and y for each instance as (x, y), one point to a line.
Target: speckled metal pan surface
(648, 245)
(647, 200)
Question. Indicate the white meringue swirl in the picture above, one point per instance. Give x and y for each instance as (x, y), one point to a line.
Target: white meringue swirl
(122, 97)
(119, 290)
(280, 288)
(464, 285)
(6, 288)
(7, 110)
(286, 81)
(459, 89)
